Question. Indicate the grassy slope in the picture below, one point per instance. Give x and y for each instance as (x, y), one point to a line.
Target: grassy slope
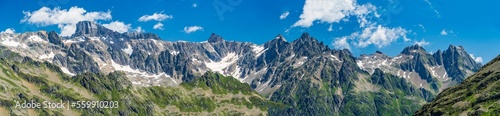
(477, 95)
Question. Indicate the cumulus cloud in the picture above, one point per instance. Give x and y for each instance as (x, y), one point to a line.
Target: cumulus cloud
(374, 35)
(284, 15)
(422, 42)
(331, 11)
(191, 29)
(65, 19)
(158, 25)
(155, 17)
(9, 30)
(118, 26)
(330, 28)
(477, 59)
(380, 36)
(341, 43)
(335, 11)
(445, 32)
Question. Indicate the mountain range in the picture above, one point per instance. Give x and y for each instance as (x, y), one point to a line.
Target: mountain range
(302, 77)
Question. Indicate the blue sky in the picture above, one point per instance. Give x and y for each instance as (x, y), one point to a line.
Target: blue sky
(389, 25)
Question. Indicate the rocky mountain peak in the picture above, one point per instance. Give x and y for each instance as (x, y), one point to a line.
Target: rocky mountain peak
(278, 41)
(280, 37)
(214, 38)
(306, 37)
(413, 49)
(90, 28)
(457, 49)
(307, 45)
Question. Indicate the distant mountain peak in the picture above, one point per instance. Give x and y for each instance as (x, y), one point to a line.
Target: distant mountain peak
(214, 38)
(412, 49)
(305, 37)
(456, 48)
(280, 37)
(307, 45)
(90, 28)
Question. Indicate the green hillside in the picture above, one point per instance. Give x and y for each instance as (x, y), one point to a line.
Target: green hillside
(478, 95)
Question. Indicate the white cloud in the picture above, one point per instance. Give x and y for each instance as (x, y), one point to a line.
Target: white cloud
(117, 26)
(335, 11)
(155, 17)
(332, 11)
(158, 25)
(362, 12)
(422, 43)
(341, 43)
(9, 30)
(65, 19)
(379, 36)
(284, 15)
(422, 26)
(432, 7)
(139, 29)
(191, 29)
(195, 5)
(445, 32)
(477, 59)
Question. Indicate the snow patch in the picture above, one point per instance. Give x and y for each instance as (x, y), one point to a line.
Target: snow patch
(123, 68)
(94, 38)
(69, 41)
(335, 58)
(47, 56)
(65, 70)
(157, 43)
(35, 38)
(229, 59)
(237, 73)
(195, 60)
(360, 64)
(258, 50)
(12, 43)
(128, 50)
(141, 78)
(174, 52)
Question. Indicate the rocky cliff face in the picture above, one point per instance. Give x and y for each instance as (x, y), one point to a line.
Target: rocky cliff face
(431, 71)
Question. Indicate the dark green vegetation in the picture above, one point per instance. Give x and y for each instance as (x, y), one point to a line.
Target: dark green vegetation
(476, 95)
(219, 84)
(390, 96)
(211, 94)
